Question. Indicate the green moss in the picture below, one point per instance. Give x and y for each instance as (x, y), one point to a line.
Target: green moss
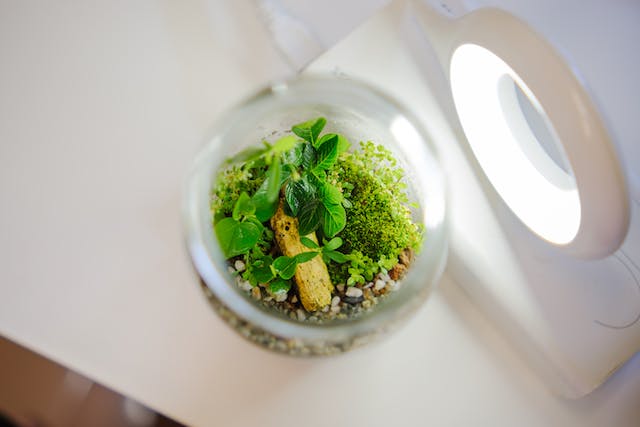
(233, 181)
(379, 224)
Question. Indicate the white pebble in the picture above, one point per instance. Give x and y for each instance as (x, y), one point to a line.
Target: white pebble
(335, 301)
(301, 315)
(335, 309)
(231, 270)
(385, 277)
(354, 292)
(280, 296)
(368, 285)
(326, 309)
(245, 285)
(379, 285)
(239, 265)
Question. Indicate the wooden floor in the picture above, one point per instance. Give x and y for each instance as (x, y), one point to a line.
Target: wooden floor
(36, 392)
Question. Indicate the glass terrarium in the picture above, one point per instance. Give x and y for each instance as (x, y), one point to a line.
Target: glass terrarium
(270, 208)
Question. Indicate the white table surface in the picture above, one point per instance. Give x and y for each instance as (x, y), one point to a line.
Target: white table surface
(102, 107)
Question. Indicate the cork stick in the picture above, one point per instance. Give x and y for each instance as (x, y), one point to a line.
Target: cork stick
(312, 277)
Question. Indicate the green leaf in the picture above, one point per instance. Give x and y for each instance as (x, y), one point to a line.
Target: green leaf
(236, 237)
(334, 218)
(285, 173)
(336, 256)
(387, 263)
(265, 208)
(217, 216)
(310, 130)
(273, 179)
(279, 286)
(309, 243)
(330, 194)
(309, 216)
(333, 244)
(294, 156)
(355, 278)
(247, 155)
(327, 154)
(285, 143)
(256, 221)
(316, 179)
(297, 193)
(308, 156)
(285, 266)
(244, 206)
(343, 144)
(325, 138)
(262, 269)
(305, 256)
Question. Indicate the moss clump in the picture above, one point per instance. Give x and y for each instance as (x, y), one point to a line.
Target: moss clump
(233, 181)
(379, 224)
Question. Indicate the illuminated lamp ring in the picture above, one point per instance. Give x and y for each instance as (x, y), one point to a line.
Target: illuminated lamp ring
(588, 215)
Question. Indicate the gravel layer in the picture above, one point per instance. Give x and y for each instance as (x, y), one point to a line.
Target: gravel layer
(348, 301)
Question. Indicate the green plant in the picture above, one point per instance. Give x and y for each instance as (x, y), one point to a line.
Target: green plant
(240, 232)
(355, 200)
(328, 250)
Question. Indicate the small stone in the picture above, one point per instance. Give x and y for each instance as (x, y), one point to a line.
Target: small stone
(406, 257)
(367, 293)
(392, 285)
(385, 277)
(280, 296)
(354, 292)
(368, 285)
(245, 285)
(335, 301)
(398, 271)
(340, 287)
(255, 292)
(300, 314)
(231, 270)
(326, 308)
(239, 265)
(379, 285)
(335, 309)
(353, 300)
(366, 304)
(294, 299)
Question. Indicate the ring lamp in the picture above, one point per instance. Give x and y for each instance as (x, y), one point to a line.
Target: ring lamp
(575, 199)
